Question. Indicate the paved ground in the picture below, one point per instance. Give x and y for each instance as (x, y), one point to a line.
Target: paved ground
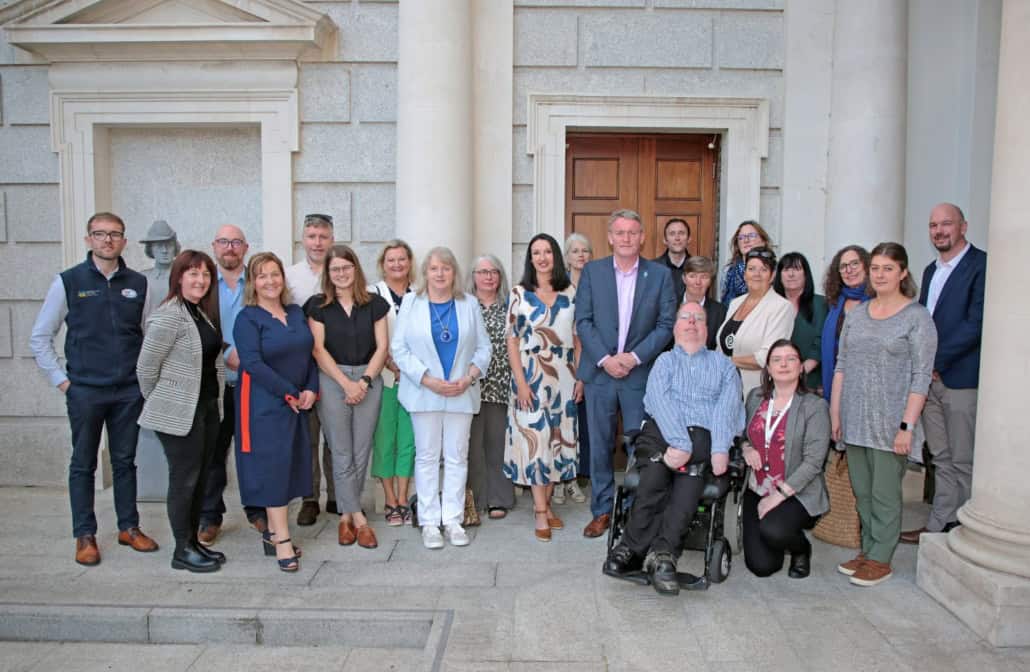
(507, 602)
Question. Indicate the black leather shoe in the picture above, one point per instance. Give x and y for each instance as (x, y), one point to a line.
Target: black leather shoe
(800, 565)
(621, 560)
(207, 552)
(330, 506)
(190, 558)
(308, 514)
(663, 575)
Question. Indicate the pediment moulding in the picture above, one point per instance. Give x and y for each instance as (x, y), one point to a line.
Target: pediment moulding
(169, 30)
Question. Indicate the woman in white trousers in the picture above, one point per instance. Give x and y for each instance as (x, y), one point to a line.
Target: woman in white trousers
(442, 350)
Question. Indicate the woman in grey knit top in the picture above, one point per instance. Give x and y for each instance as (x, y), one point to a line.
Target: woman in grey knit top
(883, 372)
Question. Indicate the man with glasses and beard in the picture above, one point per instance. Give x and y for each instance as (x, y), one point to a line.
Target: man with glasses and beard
(104, 305)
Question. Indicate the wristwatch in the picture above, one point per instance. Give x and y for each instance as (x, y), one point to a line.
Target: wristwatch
(905, 427)
(367, 379)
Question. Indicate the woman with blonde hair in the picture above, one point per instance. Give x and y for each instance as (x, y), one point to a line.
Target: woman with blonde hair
(442, 350)
(277, 389)
(349, 327)
(393, 446)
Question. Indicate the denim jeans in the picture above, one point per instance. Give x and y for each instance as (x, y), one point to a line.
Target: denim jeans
(90, 408)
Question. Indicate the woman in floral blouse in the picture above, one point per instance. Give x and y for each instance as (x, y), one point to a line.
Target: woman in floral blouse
(491, 489)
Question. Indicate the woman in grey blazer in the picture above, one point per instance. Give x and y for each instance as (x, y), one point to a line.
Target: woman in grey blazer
(182, 375)
(787, 437)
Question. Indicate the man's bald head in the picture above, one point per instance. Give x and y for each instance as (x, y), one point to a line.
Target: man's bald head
(230, 247)
(948, 229)
(691, 328)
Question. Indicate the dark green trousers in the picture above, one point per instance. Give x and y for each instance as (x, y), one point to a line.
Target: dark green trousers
(876, 477)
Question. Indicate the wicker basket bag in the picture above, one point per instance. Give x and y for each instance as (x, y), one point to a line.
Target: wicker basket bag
(840, 525)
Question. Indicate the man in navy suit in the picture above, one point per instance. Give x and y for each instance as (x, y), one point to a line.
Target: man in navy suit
(625, 310)
(953, 291)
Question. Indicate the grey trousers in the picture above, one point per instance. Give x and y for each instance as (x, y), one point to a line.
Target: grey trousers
(349, 431)
(949, 418)
(318, 468)
(490, 487)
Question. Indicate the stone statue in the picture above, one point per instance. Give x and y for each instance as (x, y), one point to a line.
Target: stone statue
(162, 245)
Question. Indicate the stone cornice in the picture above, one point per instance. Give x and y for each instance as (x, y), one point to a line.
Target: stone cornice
(284, 29)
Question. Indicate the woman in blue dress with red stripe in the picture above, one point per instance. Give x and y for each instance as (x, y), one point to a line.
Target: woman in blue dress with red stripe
(278, 385)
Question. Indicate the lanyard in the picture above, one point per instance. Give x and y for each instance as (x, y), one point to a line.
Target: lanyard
(770, 427)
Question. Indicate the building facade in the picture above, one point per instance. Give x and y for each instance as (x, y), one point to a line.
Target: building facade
(476, 124)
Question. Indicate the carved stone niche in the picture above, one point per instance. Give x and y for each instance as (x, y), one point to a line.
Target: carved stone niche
(132, 63)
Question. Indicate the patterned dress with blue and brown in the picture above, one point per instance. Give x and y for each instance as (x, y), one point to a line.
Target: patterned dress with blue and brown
(542, 442)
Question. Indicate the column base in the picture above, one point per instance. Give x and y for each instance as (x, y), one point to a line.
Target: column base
(992, 604)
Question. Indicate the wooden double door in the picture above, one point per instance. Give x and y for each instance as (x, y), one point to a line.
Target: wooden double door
(660, 176)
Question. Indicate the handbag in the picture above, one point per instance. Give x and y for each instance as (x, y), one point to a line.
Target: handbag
(471, 513)
(840, 525)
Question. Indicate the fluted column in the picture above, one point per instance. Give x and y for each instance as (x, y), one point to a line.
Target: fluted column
(995, 531)
(434, 118)
(866, 172)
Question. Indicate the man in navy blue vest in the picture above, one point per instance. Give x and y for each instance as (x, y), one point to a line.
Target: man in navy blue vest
(104, 304)
(953, 291)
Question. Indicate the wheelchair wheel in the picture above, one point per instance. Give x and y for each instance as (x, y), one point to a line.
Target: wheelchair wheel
(720, 562)
(618, 521)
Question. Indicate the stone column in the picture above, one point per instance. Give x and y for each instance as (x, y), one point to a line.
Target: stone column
(434, 118)
(866, 171)
(982, 571)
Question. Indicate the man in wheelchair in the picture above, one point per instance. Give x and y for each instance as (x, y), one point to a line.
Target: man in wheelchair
(694, 409)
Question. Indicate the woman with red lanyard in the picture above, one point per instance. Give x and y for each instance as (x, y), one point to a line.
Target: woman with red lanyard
(787, 436)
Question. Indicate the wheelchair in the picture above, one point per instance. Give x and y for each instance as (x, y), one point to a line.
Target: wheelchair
(706, 530)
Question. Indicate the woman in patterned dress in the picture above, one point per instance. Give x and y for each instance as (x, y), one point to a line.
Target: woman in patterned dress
(543, 351)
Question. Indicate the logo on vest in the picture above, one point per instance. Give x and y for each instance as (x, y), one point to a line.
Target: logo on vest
(86, 293)
(129, 293)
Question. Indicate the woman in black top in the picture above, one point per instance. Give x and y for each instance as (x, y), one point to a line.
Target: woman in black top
(351, 346)
(181, 375)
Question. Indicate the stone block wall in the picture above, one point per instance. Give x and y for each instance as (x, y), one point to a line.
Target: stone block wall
(34, 435)
(346, 166)
(647, 47)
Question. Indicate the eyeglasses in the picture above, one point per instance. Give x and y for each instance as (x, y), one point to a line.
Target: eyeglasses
(235, 243)
(697, 317)
(483, 272)
(343, 268)
(744, 237)
(853, 265)
(113, 236)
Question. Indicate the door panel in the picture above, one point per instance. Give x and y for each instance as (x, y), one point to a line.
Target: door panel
(660, 176)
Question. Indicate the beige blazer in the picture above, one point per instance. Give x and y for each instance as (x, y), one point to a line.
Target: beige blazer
(771, 320)
(169, 370)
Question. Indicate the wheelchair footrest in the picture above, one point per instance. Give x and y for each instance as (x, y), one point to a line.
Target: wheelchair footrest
(642, 578)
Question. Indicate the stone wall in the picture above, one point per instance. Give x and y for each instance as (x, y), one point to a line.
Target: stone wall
(34, 434)
(647, 47)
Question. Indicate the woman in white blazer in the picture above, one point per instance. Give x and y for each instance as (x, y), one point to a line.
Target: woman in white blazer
(442, 349)
(756, 320)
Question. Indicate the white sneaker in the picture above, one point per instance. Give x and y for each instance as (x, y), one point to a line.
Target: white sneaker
(431, 537)
(456, 535)
(575, 494)
(558, 496)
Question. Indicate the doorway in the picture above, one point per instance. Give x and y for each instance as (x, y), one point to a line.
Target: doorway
(661, 176)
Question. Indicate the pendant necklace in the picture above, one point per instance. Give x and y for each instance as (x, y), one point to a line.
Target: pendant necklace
(445, 332)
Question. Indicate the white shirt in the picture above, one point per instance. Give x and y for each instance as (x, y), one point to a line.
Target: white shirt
(940, 276)
(303, 282)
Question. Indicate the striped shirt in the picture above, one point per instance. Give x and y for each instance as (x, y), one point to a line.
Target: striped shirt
(702, 389)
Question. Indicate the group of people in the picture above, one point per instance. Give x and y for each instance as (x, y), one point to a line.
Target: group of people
(517, 387)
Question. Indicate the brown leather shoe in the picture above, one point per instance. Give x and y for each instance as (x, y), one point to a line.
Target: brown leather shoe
(554, 521)
(871, 573)
(346, 534)
(209, 533)
(135, 538)
(912, 536)
(86, 551)
(598, 526)
(367, 537)
(851, 566)
(308, 514)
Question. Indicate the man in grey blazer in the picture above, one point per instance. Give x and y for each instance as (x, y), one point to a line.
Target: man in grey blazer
(625, 310)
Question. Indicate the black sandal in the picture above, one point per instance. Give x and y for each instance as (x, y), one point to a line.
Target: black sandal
(269, 545)
(291, 564)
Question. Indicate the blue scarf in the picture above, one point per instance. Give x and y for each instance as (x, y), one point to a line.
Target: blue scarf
(829, 344)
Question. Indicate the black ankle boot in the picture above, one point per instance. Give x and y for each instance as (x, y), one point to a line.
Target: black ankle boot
(800, 564)
(663, 575)
(217, 556)
(187, 556)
